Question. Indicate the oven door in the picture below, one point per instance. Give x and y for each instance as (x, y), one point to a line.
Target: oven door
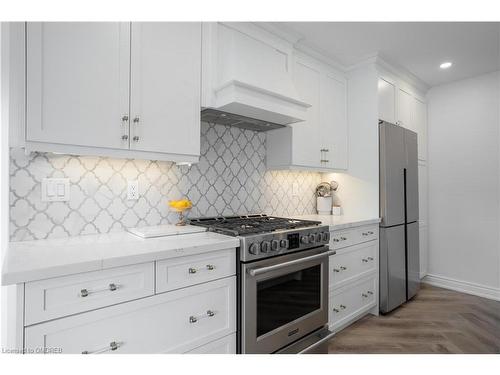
(283, 299)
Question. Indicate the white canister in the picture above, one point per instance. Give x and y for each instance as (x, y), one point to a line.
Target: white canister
(324, 205)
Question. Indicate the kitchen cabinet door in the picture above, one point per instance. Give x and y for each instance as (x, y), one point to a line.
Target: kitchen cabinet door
(333, 122)
(405, 110)
(78, 83)
(306, 148)
(165, 87)
(421, 128)
(386, 101)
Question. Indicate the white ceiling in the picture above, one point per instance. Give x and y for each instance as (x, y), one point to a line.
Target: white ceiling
(420, 47)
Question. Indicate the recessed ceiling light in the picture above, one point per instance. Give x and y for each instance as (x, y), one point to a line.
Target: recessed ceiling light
(445, 65)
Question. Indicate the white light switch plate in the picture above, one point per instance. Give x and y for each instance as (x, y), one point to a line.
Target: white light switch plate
(132, 190)
(55, 189)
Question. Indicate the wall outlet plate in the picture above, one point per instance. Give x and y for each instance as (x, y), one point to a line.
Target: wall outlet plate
(132, 190)
(55, 189)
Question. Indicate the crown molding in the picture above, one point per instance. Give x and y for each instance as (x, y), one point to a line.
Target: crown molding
(401, 72)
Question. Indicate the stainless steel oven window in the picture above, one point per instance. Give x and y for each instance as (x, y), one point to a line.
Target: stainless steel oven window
(283, 299)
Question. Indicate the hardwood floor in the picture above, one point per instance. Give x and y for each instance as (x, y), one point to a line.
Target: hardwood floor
(435, 321)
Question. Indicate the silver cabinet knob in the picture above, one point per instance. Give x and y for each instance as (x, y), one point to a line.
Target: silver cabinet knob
(124, 137)
(192, 270)
(210, 313)
(84, 292)
(210, 267)
(125, 118)
(136, 138)
(112, 287)
(193, 319)
(136, 120)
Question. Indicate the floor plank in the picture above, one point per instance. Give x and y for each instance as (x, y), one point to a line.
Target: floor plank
(435, 321)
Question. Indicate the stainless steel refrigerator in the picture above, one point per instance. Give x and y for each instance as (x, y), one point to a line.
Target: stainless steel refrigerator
(399, 246)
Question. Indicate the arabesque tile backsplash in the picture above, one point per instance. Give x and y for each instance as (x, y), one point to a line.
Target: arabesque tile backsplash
(231, 178)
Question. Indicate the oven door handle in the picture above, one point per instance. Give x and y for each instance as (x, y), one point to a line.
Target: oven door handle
(260, 271)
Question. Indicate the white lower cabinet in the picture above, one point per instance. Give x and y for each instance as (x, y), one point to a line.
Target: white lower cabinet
(353, 275)
(174, 322)
(225, 345)
(349, 302)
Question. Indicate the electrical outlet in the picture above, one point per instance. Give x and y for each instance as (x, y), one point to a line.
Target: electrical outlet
(132, 190)
(295, 189)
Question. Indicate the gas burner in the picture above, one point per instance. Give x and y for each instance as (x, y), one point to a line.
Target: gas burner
(251, 224)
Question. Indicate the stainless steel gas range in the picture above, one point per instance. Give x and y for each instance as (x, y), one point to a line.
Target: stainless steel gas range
(282, 267)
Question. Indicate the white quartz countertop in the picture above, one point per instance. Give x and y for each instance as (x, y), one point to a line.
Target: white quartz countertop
(36, 260)
(340, 222)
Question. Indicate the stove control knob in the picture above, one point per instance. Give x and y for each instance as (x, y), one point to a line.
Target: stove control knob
(253, 249)
(326, 236)
(284, 244)
(275, 244)
(312, 238)
(265, 246)
(318, 237)
(304, 239)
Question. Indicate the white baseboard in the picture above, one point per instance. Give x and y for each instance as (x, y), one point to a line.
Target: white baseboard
(463, 286)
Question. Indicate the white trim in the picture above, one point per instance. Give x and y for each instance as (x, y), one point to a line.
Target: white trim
(463, 286)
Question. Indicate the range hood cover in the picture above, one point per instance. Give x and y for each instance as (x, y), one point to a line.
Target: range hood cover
(214, 116)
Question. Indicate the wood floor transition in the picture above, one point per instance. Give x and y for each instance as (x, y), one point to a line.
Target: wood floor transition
(435, 321)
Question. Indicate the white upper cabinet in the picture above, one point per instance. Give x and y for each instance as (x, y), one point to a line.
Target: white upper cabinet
(421, 128)
(165, 87)
(78, 83)
(333, 122)
(386, 100)
(405, 110)
(399, 104)
(320, 142)
(114, 89)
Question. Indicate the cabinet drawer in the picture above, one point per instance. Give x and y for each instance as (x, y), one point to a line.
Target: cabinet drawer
(348, 302)
(173, 322)
(352, 262)
(181, 272)
(225, 345)
(62, 296)
(343, 238)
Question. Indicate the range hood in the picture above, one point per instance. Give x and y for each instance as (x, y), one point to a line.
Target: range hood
(247, 82)
(214, 116)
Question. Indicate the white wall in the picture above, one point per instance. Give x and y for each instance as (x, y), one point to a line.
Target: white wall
(359, 188)
(464, 196)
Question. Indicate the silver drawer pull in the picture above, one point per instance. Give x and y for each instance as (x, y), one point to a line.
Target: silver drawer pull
(364, 295)
(85, 292)
(370, 258)
(336, 240)
(370, 292)
(364, 260)
(343, 238)
(365, 234)
(208, 267)
(370, 232)
(343, 307)
(336, 270)
(335, 310)
(194, 319)
(113, 345)
(342, 268)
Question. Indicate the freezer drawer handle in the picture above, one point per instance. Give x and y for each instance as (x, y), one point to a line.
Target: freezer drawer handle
(113, 345)
(259, 271)
(85, 292)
